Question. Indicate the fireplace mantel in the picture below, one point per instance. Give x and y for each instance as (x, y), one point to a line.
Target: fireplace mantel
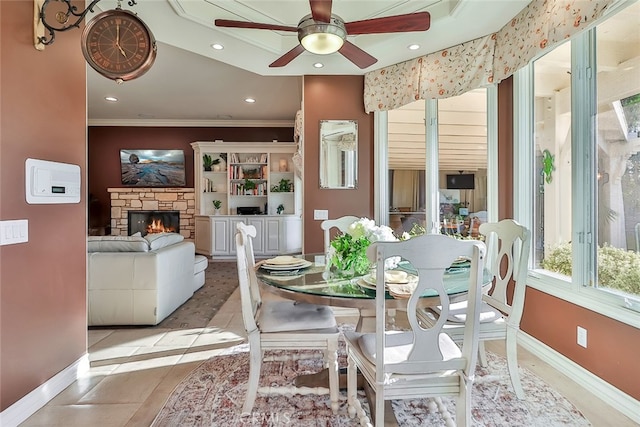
(126, 199)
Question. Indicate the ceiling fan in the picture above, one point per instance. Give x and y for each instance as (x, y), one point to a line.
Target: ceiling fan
(323, 33)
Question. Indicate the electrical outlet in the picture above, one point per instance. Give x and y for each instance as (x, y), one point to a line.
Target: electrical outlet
(582, 337)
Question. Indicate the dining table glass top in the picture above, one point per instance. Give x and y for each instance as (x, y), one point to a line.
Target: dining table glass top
(316, 280)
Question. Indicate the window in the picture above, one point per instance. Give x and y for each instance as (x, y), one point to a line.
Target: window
(584, 194)
(552, 155)
(461, 139)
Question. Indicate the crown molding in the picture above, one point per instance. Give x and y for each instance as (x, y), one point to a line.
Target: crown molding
(192, 123)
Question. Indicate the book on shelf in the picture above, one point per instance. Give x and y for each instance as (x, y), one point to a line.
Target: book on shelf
(208, 186)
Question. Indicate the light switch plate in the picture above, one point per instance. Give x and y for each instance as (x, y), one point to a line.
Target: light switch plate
(320, 214)
(14, 231)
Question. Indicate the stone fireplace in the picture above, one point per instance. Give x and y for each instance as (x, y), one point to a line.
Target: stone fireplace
(179, 200)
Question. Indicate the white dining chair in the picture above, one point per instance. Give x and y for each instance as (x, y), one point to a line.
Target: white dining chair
(508, 245)
(281, 325)
(341, 224)
(420, 362)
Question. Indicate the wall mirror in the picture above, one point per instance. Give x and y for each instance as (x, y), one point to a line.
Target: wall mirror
(338, 154)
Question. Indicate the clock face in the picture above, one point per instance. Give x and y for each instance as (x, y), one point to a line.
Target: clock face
(118, 45)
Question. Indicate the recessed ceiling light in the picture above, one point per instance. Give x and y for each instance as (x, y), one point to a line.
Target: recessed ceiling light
(217, 46)
(413, 47)
(318, 65)
(111, 98)
(249, 100)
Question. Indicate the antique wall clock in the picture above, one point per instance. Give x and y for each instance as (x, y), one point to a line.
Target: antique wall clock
(118, 45)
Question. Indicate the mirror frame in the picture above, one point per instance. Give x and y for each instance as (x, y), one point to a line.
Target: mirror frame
(338, 145)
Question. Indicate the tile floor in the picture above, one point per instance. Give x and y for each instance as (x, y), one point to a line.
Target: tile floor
(134, 370)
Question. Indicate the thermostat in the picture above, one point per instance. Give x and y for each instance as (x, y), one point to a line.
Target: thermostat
(51, 182)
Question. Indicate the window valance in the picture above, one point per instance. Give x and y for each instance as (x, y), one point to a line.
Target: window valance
(483, 61)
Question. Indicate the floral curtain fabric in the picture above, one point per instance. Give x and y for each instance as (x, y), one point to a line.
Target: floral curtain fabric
(483, 61)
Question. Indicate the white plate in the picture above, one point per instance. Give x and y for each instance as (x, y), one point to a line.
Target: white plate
(284, 260)
(371, 279)
(304, 264)
(397, 291)
(361, 282)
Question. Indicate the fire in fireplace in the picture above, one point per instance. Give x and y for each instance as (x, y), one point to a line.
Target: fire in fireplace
(149, 222)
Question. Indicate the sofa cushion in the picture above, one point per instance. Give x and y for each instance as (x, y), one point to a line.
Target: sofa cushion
(117, 244)
(161, 240)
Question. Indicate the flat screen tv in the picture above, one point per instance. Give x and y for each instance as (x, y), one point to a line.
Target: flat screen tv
(153, 168)
(462, 181)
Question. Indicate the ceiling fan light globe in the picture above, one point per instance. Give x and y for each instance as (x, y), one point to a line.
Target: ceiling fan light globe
(321, 38)
(322, 43)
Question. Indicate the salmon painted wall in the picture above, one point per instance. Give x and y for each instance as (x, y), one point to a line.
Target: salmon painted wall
(105, 143)
(43, 320)
(334, 98)
(613, 347)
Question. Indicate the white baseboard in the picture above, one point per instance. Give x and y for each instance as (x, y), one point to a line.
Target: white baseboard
(36, 399)
(616, 398)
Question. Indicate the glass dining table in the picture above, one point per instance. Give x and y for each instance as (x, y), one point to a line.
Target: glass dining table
(315, 284)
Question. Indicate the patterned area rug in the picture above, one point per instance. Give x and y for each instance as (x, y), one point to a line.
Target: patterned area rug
(221, 279)
(213, 394)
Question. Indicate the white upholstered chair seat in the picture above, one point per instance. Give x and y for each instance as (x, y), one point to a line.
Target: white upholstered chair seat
(286, 316)
(458, 313)
(398, 345)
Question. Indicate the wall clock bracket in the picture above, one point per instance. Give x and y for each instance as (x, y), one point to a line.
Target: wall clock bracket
(58, 15)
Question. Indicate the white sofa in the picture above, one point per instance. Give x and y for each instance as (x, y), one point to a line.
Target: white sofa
(140, 280)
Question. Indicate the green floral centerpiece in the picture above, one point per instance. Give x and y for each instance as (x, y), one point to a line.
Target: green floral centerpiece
(347, 253)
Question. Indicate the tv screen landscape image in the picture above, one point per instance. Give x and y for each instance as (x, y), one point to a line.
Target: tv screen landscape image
(153, 168)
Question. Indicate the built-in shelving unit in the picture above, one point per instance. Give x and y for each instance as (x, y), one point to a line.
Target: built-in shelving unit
(255, 183)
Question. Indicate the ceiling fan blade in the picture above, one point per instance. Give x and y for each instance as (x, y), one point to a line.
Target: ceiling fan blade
(356, 55)
(255, 25)
(287, 57)
(420, 21)
(320, 10)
